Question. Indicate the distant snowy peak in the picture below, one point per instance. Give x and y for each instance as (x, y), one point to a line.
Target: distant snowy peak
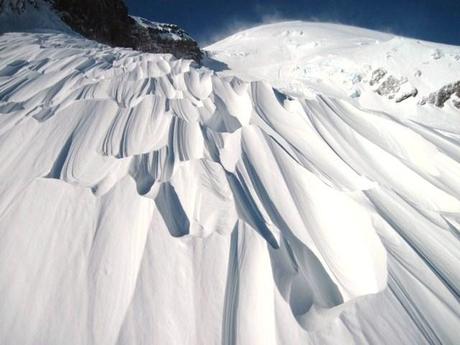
(302, 58)
(106, 22)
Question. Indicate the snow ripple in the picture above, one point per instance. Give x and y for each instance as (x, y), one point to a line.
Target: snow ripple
(148, 201)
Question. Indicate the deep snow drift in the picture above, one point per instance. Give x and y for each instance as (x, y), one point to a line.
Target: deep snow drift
(144, 200)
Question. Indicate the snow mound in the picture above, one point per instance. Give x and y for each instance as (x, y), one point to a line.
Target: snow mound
(147, 201)
(300, 58)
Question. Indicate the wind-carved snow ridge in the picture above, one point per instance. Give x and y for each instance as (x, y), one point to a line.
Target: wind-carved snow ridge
(148, 201)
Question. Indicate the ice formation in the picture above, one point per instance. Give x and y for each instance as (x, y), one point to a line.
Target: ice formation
(146, 200)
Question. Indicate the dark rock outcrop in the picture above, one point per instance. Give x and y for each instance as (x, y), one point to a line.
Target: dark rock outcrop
(108, 22)
(166, 38)
(17, 6)
(392, 87)
(440, 97)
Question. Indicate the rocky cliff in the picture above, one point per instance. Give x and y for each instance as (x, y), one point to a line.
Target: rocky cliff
(108, 22)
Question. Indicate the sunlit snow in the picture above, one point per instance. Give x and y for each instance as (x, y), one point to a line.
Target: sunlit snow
(147, 200)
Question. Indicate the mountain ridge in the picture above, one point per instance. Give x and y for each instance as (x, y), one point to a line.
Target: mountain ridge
(106, 22)
(306, 55)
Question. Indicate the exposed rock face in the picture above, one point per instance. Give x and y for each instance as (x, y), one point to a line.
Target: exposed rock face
(440, 97)
(104, 21)
(165, 38)
(108, 22)
(17, 6)
(392, 87)
(377, 75)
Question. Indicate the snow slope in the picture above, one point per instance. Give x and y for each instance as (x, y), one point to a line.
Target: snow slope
(29, 15)
(145, 200)
(371, 67)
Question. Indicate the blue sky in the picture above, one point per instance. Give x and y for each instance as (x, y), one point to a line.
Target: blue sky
(207, 21)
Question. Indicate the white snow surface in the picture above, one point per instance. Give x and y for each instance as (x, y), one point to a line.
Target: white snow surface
(22, 15)
(302, 59)
(146, 200)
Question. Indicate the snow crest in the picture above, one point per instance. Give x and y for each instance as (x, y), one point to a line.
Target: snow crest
(148, 201)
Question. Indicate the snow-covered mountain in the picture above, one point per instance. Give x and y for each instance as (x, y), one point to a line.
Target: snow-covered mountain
(298, 197)
(306, 58)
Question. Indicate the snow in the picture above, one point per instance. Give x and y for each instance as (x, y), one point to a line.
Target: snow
(24, 15)
(300, 58)
(147, 200)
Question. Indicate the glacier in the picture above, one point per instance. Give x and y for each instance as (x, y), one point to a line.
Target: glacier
(146, 199)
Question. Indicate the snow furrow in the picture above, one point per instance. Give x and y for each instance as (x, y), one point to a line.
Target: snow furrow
(146, 200)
